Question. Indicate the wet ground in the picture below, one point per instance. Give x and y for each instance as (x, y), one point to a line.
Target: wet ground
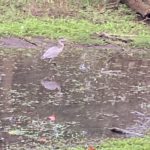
(75, 99)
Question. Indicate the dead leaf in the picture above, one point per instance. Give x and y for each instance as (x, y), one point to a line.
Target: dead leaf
(91, 148)
(52, 118)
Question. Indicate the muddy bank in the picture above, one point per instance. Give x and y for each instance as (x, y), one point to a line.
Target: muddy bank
(41, 42)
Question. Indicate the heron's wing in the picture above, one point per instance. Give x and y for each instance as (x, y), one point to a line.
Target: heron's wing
(51, 52)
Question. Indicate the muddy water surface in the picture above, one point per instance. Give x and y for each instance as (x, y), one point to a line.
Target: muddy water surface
(88, 91)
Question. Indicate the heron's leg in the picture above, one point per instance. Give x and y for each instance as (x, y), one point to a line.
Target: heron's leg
(50, 61)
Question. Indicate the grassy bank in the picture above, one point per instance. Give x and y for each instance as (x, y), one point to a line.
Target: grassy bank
(79, 27)
(123, 144)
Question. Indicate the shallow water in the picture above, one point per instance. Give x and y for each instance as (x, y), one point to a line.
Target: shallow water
(89, 91)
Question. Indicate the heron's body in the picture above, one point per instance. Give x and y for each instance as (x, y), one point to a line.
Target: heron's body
(54, 51)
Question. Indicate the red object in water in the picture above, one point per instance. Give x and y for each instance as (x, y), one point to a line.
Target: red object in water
(91, 148)
(52, 118)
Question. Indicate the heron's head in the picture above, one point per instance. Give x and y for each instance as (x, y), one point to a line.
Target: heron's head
(62, 40)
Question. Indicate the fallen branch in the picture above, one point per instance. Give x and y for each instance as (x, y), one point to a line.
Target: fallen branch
(141, 7)
(28, 41)
(114, 37)
(126, 132)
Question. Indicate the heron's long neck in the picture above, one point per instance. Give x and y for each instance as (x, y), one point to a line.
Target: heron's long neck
(61, 44)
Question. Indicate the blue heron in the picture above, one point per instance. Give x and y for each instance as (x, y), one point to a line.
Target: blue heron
(54, 51)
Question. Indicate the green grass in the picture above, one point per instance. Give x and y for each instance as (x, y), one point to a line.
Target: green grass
(79, 28)
(111, 144)
(127, 144)
(123, 144)
(72, 29)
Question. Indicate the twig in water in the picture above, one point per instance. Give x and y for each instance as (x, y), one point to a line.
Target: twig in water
(125, 132)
